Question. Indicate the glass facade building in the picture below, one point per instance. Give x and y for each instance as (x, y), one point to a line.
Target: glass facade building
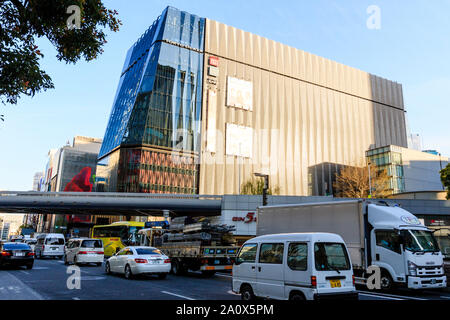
(154, 127)
(389, 158)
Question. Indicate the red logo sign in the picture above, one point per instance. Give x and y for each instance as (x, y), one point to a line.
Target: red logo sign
(250, 217)
(213, 61)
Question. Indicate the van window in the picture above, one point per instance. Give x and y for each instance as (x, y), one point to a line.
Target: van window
(298, 256)
(330, 256)
(91, 244)
(54, 241)
(247, 253)
(271, 253)
(388, 239)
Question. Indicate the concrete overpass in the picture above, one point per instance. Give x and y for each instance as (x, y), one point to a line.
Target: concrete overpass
(105, 203)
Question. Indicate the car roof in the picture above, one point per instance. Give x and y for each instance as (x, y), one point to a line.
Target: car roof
(306, 236)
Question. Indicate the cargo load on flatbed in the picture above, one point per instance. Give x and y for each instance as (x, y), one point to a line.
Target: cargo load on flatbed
(193, 244)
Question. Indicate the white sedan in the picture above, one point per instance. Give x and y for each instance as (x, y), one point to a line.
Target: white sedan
(132, 261)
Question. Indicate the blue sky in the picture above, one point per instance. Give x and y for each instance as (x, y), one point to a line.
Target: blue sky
(412, 47)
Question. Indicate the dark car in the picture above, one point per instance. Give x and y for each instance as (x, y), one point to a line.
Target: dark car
(16, 254)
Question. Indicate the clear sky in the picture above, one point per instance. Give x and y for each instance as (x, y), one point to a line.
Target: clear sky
(412, 47)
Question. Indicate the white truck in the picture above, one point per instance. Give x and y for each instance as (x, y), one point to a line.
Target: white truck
(375, 232)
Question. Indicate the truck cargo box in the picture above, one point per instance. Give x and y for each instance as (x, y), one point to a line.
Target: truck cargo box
(344, 218)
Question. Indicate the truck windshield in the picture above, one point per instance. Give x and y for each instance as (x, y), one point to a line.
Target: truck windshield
(420, 241)
(330, 256)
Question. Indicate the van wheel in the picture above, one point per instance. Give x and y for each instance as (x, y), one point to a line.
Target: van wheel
(296, 296)
(387, 284)
(247, 293)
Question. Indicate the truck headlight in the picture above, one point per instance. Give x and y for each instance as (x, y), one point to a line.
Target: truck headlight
(412, 268)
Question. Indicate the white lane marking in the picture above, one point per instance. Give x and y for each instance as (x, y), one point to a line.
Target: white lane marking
(25, 272)
(445, 297)
(40, 268)
(223, 275)
(177, 295)
(389, 295)
(233, 293)
(377, 296)
(76, 298)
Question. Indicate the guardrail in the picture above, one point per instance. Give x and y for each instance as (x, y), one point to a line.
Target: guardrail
(109, 194)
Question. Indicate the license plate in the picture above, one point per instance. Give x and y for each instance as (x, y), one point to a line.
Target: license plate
(54, 248)
(335, 283)
(433, 281)
(19, 254)
(155, 261)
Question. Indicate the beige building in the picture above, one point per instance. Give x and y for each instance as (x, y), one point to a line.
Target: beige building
(202, 106)
(10, 225)
(306, 114)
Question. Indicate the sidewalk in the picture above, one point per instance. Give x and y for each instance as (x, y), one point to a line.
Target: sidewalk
(12, 288)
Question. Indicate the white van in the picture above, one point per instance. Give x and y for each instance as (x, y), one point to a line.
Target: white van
(31, 242)
(50, 245)
(84, 250)
(294, 266)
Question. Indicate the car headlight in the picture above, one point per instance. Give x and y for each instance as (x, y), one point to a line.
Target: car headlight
(412, 268)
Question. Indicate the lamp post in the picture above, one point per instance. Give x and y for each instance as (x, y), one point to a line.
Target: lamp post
(370, 181)
(266, 186)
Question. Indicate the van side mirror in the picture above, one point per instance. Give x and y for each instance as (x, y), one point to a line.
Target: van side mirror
(237, 261)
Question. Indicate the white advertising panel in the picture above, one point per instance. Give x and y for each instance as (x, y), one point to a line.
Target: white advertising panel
(239, 141)
(240, 94)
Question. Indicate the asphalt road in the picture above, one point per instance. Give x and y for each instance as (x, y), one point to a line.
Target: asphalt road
(48, 281)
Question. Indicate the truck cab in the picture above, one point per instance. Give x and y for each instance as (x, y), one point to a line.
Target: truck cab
(405, 250)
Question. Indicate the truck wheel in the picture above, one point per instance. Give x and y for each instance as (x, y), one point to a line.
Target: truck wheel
(247, 293)
(177, 268)
(208, 273)
(387, 284)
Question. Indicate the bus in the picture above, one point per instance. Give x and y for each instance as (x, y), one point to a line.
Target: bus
(117, 235)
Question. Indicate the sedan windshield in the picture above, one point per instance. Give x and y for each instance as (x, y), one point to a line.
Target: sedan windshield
(330, 256)
(420, 241)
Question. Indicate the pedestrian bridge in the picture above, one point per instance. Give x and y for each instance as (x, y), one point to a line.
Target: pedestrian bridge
(108, 203)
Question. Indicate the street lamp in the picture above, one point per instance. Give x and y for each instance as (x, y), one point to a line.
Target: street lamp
(266, 186)
(370, 181)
